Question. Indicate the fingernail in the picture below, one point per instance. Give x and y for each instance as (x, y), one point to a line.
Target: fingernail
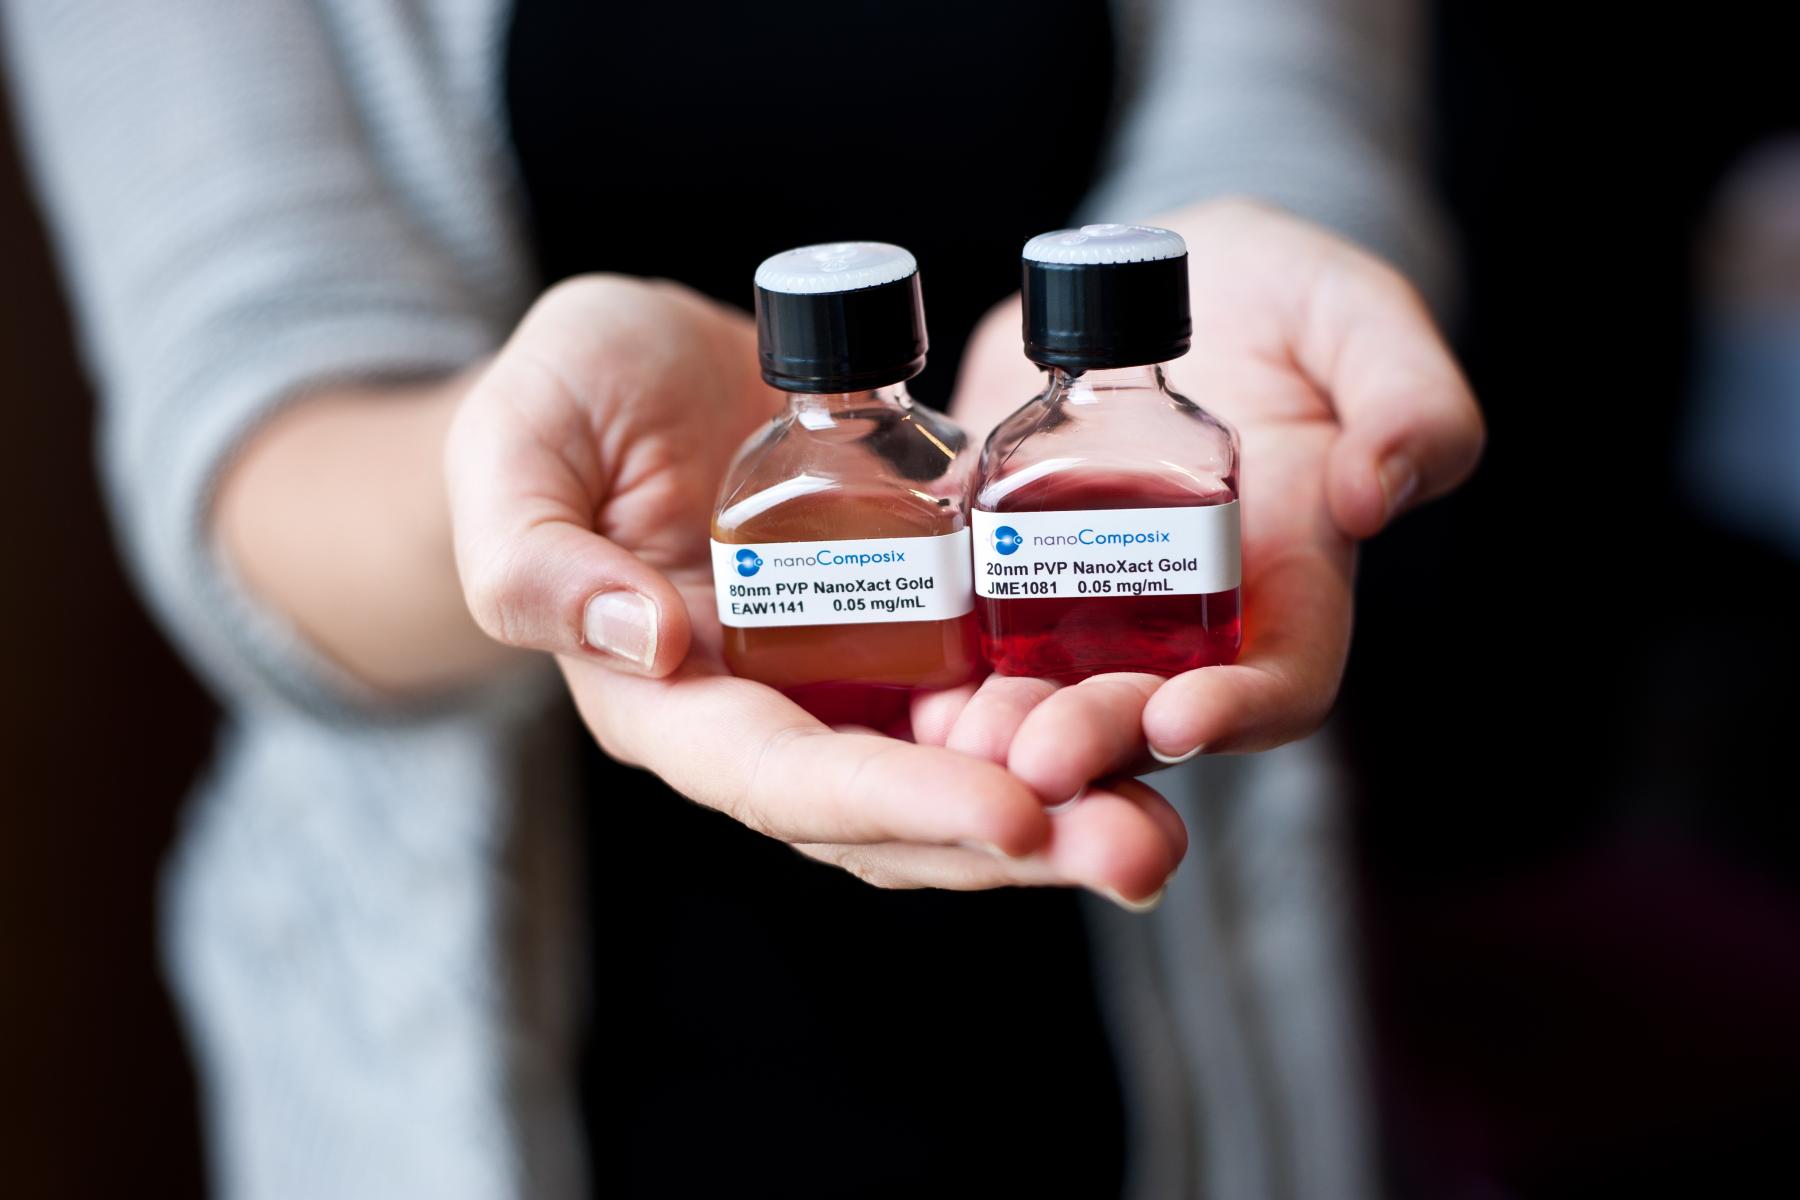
(1137, 906)
(622, 624)
(1066, 805)
(1173, 760)
(1399, 480)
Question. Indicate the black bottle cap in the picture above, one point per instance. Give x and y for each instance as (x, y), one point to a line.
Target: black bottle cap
(1106, 296)
(842, 317)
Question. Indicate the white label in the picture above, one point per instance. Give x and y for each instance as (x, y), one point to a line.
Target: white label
(1107, 552)
(848, 581)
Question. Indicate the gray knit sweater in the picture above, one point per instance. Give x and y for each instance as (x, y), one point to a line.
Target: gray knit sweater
(368, 916)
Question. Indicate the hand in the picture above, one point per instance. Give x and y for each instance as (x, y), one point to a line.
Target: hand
(1350, 410)
(582, 472)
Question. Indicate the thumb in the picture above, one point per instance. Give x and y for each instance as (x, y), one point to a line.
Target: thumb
(562, 588)
(1412, 430)
(534, 573)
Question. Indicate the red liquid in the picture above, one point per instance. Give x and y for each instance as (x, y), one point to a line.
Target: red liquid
(1070, 638)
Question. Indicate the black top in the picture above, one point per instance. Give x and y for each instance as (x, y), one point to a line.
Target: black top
(774, 1026)
(1095, 316)
(844, 341)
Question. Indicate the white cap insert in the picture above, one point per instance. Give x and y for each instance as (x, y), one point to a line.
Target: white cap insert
(1102, 244)
(834, 267)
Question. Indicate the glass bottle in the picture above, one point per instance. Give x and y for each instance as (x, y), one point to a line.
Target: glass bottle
(840, 538)
(1106, 509)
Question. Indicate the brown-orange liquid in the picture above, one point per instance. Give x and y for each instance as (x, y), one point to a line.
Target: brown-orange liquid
(859, 672)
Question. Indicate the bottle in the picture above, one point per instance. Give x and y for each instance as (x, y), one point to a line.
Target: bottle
(841, 558)
(1105, 522)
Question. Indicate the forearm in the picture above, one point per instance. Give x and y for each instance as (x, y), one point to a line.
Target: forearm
(334, 515)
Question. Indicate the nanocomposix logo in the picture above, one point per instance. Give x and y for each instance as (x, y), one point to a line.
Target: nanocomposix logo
(1096, 537)
(1007, 539)
(748, 563)
(838, 558)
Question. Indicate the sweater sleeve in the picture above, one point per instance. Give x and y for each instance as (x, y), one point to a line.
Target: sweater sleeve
(234, 233)
(1313, 105)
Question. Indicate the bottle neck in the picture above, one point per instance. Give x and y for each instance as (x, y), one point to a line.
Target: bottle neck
(824, 408)
(1147, 377)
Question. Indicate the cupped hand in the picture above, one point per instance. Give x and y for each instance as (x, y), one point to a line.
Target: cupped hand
(1350, 410)
(582, 470)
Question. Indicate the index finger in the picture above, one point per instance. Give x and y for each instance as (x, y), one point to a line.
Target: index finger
(748, 751)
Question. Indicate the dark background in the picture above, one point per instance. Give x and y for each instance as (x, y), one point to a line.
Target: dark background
(1576, 825)
(101, 733)
(1571, 702)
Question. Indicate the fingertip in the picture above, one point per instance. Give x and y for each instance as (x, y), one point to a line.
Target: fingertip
(1398, 476)
(1462, 452)
(1160, 810)
(986, 727)
(1081, 733)
(935, 713)
(1378, 471)
(1174, 758)
(1178, 722)
(1012, 819)
(1239, 709)
(1140, 878)
(1362, 500)
(675, 625)
(1110, 844)
(1054, 769)
(1148, 904)
(632, 630)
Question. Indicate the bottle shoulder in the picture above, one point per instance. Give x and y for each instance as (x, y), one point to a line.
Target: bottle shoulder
(895, 473)
(1107, 447)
